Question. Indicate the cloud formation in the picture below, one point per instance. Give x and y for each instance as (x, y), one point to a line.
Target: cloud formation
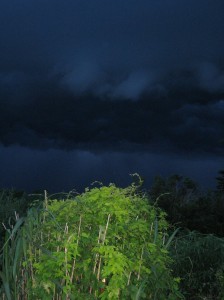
(116, 75)
(57, 170)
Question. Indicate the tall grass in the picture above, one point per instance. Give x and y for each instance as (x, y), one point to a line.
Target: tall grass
(17, 267)
(199, 261)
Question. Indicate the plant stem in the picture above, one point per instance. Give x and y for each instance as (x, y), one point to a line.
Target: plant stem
(129, 278)
(140, 264)
(74, 261)
(104, 237)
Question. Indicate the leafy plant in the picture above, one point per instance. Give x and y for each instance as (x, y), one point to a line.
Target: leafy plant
(107, 243)
(199, 261)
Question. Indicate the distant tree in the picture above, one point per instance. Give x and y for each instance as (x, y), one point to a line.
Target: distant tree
(189, 207)
(220, 182)
(158, 187)
(173, 195)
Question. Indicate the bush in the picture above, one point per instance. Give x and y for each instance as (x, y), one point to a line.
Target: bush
(107, 243)
(199, 261)
(13, 204)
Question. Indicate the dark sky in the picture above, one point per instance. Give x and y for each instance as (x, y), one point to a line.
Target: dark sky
(95, 90)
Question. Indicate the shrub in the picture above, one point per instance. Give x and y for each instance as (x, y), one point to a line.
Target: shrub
(199, 261)
(107, 243)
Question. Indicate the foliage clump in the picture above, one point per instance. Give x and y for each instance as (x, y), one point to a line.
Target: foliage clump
(199, 261)
(107, 243)
(189, 207)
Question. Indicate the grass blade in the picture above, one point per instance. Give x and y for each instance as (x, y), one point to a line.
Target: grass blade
(14, 230)
(171, 238)
(6, 286)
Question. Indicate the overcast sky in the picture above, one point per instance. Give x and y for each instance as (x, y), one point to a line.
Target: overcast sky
(94, 90)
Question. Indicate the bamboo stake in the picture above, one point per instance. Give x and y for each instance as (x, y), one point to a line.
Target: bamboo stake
(104, 238)
(96, 258)
(97, 255)
(74, 261)
(140, 264)
(66, 258)
(129, 278)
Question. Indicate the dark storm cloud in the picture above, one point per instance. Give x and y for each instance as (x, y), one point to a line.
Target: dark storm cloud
(57, 170)
(117, 75)
(87, 122)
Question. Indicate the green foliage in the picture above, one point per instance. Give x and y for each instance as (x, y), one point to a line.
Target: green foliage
(220, 182)
(199, 261)
(107, 243)
(188, 207)
(173, 193)
(110, 243)
(16, 257)
(13, 205)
